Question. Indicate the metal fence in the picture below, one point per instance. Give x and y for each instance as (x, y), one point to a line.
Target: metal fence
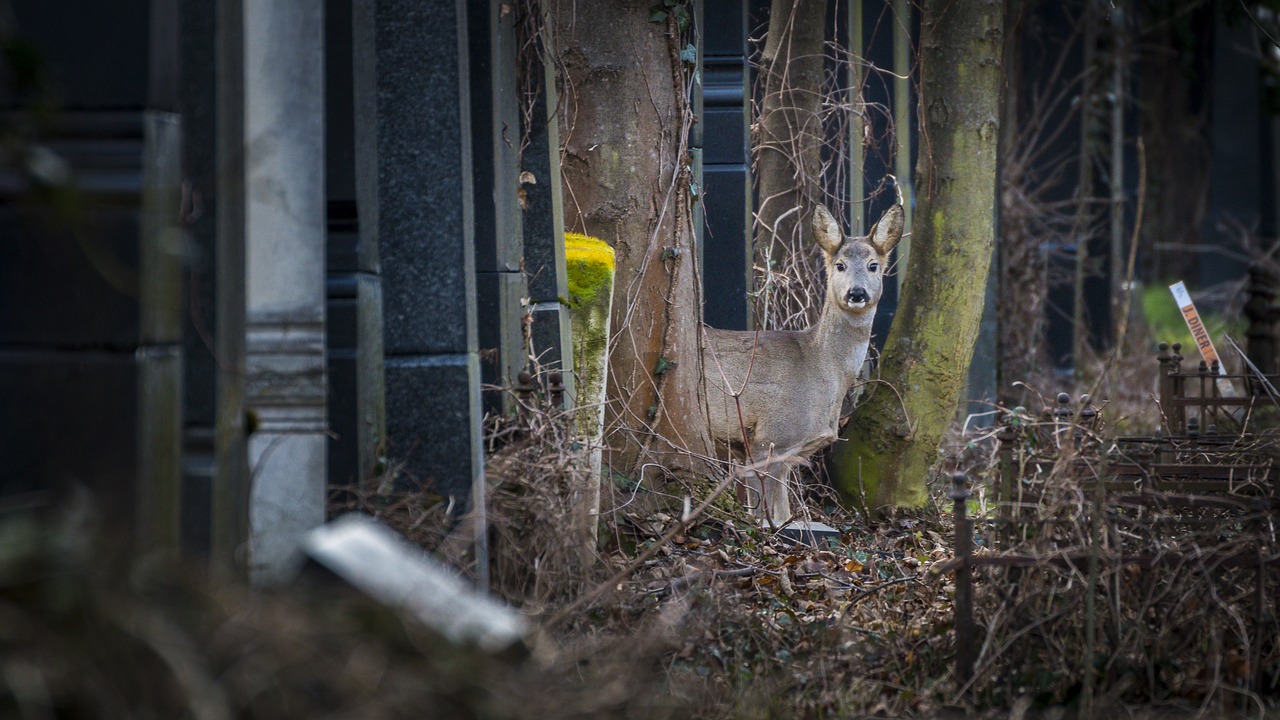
(1137, 552)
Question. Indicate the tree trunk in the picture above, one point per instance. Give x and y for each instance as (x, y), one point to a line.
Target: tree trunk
(788, 146)
(624, 119)
(894, 437)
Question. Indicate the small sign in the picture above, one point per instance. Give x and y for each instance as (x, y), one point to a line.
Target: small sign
(1201, 335)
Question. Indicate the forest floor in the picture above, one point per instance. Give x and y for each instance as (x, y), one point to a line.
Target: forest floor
(720, 618)
(656, 618)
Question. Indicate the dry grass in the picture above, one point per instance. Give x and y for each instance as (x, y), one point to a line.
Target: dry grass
(740, 623)
(719, 620)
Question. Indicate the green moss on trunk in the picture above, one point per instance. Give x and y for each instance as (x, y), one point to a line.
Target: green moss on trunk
(590, 268)
(894, 438)
(590, 265)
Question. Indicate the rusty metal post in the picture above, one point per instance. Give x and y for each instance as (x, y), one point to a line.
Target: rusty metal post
(1208, 390)
(1165, 359)
(1064, 430)
(966, 644)
(525, 389)
(1170, 388)
(1007, 436)
(1090, 420)
(1088, 442)
(555, 388)
(1083, 426)
(1260, 508)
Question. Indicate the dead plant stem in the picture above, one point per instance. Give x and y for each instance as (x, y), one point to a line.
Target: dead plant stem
(676, 529)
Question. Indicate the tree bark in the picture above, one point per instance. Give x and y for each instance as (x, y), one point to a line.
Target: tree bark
(893, 439)
(788, 146)
(626, 167)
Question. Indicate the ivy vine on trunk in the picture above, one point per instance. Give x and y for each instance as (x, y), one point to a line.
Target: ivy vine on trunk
(626, 167)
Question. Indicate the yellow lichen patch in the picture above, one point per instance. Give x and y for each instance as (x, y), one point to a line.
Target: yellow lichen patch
(590, 263)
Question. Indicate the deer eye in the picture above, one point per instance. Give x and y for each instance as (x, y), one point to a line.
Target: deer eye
(840, 267)
(873, 267)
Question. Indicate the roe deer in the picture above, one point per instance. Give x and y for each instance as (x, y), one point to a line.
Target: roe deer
(789, 384)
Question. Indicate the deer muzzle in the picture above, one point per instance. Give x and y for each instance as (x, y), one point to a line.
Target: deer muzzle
(857, 297)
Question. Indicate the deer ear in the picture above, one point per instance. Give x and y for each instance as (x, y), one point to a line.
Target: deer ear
(826, 230)
(887, 231)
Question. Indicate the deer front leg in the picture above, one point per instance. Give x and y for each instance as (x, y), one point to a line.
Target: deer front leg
(769, 491)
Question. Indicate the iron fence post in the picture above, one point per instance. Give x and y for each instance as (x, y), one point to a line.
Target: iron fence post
(1009, 476)
(1259, 593)
(965, 645)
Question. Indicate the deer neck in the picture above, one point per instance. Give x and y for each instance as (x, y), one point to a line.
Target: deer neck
(841, 339)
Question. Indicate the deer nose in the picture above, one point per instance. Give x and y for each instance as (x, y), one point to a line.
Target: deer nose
(857, 295)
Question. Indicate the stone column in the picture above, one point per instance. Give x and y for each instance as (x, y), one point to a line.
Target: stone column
(495, 123)
(199, 201)
(284, 285)
(543, 226)
(160, 295)
(159, 351)
(414, 190)
(371, 394)
(229, 494)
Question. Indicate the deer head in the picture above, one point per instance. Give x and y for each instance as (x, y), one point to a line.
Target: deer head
(856, 265)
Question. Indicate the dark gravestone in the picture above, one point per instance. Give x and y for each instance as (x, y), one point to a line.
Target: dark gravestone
(543, 222)
(229, 493)
(428, 422)
(424, 183)
(342, 320)
(342, 317)
(69, 419)
(89, 283)
(72, 290)
(96, 55)
(159, 353)
(726, 161)
(495, 115)
(196, 105)
(414, 188)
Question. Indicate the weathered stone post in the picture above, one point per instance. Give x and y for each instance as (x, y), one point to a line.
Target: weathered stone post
(160, 292)
(285, 256)
(590, 263)
(160, 334)
(229, 494)
(414, 190)
(198, 95)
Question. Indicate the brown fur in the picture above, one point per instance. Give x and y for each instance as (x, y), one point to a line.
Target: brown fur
(791, 383)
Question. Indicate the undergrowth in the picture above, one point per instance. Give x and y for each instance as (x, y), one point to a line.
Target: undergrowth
(644, 614)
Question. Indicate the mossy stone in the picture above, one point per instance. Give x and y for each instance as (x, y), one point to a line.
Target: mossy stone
(590, 265)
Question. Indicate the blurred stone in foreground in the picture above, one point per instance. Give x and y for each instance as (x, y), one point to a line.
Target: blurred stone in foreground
(387, 568)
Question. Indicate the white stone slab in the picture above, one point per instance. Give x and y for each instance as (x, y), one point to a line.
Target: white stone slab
(811, 533)
(389, 569)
